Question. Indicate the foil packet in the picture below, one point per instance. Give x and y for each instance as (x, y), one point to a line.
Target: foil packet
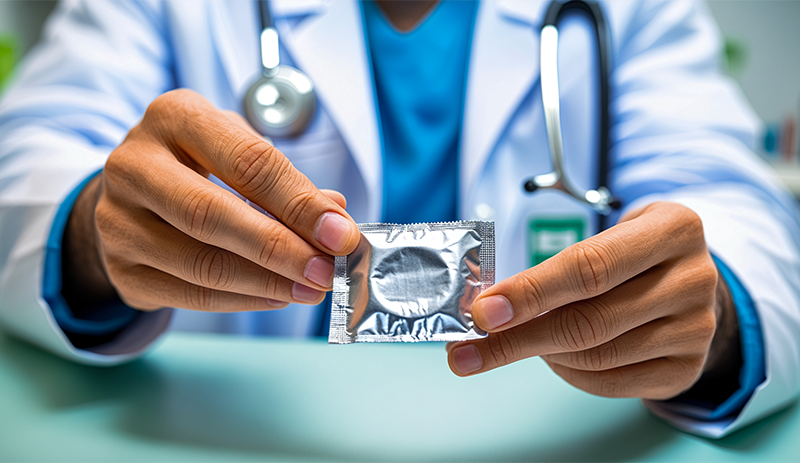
(410, 283)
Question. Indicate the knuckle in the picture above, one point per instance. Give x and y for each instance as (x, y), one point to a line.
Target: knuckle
(139, 302)
(686, 225)
(706, 326)
(678, 376)
(213, 268)
(114, 167)
(611, 383)
(691, 333)
(504, 347)
(584, 359)
(708, 276)
(119, 276)
(256, 166)
(120, 172)
(691, 222)
(700, 280)
(272, 284)
(136, 133)
(199, 298)
(579, 326)
(170, 111)
(105, 219)
(198, 213)
(592, 272)
(531, 290)
(131, 300)
(158, 107)
(691, 369)
(598, 358)
(273, 248)
(111, 225)
(163, 106)
(296, 207)
(127, 280)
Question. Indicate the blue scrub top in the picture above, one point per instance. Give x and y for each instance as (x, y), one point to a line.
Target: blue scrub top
(419, 79)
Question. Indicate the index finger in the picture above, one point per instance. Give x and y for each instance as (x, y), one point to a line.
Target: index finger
(254, 168)
(589, 268)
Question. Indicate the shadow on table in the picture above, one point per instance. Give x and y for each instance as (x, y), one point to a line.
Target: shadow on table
(185, 407)
(632, 440)
(643, 436)
(63, 384)
(757, 435)
(225, 411)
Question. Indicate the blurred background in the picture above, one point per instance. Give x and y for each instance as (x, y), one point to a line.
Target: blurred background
(762, 52)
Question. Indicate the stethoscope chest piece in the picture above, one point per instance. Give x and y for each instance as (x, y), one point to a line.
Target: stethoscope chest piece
(281, 103)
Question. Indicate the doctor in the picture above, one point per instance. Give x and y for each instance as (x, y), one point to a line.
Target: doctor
(425, 112)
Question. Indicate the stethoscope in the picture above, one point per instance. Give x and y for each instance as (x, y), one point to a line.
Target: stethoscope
(282, 101)
(599, 199)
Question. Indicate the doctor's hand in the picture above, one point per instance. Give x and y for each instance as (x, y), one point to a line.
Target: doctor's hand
(154, 230)
(636, 311)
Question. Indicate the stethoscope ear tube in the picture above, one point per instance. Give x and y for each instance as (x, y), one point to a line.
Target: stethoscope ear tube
(599, 199)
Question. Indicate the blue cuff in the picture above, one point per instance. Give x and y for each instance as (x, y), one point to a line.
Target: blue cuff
(107, 320)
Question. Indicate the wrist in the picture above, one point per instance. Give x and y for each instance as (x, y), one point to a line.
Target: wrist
(726, 336)
(85, 283)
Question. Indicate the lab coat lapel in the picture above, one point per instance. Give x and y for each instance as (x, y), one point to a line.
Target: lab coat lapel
(504, 65)
(324, 39)
(235, 28)
(331, 49)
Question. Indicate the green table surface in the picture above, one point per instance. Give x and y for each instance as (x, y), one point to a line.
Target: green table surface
(224, 398)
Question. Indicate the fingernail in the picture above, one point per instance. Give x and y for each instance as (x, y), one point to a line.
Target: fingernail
(275, 303)
(495, 311)
(320, 271)
(303, 293)
(333, 231)
(467, 359)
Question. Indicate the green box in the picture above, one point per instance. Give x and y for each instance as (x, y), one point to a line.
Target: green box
(549, 236)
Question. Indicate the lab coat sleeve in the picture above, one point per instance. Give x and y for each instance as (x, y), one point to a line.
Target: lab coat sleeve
(684, 133)
(76, 96)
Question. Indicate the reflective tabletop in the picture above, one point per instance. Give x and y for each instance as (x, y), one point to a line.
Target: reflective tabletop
(224, 398)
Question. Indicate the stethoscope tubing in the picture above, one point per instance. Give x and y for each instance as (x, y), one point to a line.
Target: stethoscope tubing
(600, 199)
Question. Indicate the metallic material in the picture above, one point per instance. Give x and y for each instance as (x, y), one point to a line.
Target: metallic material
(408, 283)
(281, 102)
(599, 199)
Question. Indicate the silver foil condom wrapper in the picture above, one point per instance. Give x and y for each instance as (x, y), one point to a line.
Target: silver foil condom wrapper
(409, 283)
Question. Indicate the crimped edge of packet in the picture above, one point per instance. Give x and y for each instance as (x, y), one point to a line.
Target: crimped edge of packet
(341, 293)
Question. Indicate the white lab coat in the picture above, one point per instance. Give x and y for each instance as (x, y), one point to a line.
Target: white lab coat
(682, 132)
